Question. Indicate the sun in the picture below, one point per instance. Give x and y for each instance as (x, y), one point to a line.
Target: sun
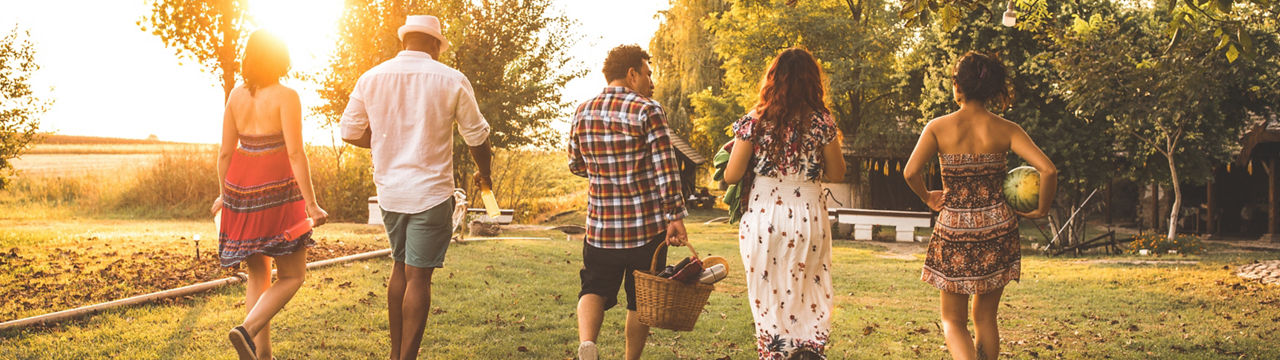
(308, 27)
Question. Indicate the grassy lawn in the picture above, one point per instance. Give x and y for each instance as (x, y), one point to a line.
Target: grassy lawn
(515, 299)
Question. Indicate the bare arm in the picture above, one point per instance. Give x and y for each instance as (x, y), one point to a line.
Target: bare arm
(833, 165)
(364, 141)
(291, 124)
(926, 148)
(483, 156)
(230, 137)
(1022, 145)
(739, 159)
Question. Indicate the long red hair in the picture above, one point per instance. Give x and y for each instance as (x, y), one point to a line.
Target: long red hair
(790, 93)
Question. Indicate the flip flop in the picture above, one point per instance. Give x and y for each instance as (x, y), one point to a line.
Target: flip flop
(243, 343)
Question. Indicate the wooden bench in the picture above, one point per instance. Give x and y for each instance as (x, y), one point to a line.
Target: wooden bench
(863, 220)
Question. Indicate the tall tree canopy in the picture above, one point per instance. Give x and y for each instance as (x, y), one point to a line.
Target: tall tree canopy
(686, 64)
(1184, 105)
(19, 107)
(211, 32)
(856, 45)
(513, 51)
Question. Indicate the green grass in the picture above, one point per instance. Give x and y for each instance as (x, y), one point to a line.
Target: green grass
(495, 298)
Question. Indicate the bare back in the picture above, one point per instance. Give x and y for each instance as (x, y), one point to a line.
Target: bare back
(973, 132)
(259, 113)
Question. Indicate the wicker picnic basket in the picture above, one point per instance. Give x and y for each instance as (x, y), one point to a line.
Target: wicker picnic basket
(669, 304)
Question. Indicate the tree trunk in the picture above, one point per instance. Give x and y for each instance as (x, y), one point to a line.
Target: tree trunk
(1177, 197)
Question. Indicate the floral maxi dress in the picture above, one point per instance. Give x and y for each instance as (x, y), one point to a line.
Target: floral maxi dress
(786, 245)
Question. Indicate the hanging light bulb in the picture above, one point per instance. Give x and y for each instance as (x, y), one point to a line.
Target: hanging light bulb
(1010, 16)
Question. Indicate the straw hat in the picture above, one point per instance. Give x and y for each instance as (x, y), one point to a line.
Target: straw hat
(425, 24)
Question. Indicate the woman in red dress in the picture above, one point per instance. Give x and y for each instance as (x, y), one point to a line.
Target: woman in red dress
(268, 204)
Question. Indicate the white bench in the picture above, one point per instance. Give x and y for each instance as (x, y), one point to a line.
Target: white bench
(506, 216)
(863, 220)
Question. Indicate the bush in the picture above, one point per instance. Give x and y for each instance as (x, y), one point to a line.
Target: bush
(537, 184)
(1159, 244)
(343, 179)
(181, 184)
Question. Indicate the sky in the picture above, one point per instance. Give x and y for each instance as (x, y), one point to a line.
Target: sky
(109, 78)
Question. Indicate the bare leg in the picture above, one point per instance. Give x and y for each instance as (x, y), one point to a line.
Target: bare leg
(955, 326)
(637, 333)
(590, 317)
(259, 268)
(290, 270)
(395, 299)
(985, 307)
(416, 306)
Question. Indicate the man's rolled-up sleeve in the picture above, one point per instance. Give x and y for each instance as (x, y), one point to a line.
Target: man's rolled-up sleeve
(471, 124)
(355, 118)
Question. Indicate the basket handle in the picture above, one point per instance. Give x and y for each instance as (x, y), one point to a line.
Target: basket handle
(653, 264)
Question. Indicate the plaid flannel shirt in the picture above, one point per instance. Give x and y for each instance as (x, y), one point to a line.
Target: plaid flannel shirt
(619, 141)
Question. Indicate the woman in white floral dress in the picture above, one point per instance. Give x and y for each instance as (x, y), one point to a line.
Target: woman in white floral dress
(789, 141)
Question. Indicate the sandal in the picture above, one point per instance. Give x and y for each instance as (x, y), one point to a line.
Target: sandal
(243, 343)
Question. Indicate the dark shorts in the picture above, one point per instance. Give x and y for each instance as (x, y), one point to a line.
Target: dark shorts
(420, 240)
(604, 270)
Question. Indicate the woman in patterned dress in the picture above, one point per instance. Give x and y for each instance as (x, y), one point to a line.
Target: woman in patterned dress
(267, 201)
(783, 235)
(975, 248)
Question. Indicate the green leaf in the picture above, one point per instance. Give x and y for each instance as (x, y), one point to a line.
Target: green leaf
(1246, 43)
(1223, 6)
(1232, 54)
(1226, 40)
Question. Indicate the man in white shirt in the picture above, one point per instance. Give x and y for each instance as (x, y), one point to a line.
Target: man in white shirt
(404, 110)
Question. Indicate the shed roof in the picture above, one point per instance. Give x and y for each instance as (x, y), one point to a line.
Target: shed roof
(685, 149)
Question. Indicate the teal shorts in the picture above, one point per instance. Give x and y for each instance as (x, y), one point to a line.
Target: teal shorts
(420, 240)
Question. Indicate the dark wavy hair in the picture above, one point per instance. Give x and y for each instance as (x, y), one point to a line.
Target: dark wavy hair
(266, 60)
(790, 93)
(621, 59)
(983, 77)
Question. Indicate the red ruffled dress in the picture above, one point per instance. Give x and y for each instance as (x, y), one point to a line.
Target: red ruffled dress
(262, 207)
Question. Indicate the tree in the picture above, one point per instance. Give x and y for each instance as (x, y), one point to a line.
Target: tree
(1227, 20)
(514, 52)
(19, 107)
(1162, 102)
(1079, 147)
(211, 32)
(856, 54)
(686, 64)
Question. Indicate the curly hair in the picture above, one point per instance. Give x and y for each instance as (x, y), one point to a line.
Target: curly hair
(266, 60)
(984, 78)
(621, 59)
(790, 92)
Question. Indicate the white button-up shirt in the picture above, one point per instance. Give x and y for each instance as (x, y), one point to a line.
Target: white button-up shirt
(410, 103)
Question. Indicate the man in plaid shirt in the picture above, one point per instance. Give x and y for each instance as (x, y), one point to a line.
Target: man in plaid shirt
(619, 141)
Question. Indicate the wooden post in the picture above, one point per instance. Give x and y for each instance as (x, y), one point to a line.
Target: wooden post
(1208, 217)
(1271, 200)
(1107, 205)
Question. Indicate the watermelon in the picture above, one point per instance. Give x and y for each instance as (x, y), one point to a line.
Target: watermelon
(1022, 188)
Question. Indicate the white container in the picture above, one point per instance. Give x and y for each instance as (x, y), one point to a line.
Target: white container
(375, 212)
(1144, 252)
(713, 274)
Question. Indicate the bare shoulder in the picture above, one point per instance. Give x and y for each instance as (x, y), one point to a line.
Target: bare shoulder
(937, 123)
(1008, 127)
